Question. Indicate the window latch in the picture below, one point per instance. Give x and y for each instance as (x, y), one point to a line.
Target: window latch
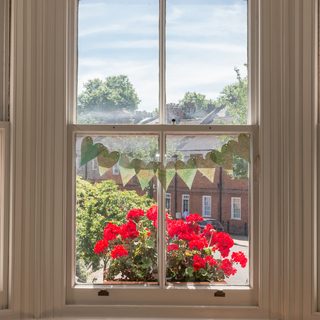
(103, 293)
(220, 294)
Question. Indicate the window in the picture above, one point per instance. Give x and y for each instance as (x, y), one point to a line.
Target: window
(206, 206)
(168, 202)
(115, 169)
(236, 208)
(168, 115)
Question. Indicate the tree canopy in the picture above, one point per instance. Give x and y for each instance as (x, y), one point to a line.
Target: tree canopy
(112, 94)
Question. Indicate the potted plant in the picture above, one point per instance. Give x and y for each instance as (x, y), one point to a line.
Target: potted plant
(193, 255)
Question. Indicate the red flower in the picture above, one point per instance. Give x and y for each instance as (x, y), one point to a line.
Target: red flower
(172, 247)
(152, 213)
(198, 244)
(227, 268)
(195, 217)
(211, 261)
(135, 214)
(119, 251)
(100, 246)
(198, 262)
(129, 230)
(223, 242)
(239, 257)
(208, 230)
(111, 231)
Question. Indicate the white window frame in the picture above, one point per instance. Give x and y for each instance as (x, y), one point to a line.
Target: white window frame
(204, 206)
(248, 295)
(185, 197)
(233, 202)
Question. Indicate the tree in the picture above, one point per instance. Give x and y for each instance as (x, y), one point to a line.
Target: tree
(98, 204)
(234, 99)
(112, 94)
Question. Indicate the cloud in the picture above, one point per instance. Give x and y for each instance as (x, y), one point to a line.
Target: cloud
(205, 41)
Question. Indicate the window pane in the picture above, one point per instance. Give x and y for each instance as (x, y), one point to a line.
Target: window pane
(115, 227)
(118, 61)
(204, 243)
(206, 61)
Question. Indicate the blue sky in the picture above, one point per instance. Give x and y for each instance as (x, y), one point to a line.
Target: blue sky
(206, 39)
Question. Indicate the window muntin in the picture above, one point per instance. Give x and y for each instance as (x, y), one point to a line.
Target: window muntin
(236, 208)
(206, 206)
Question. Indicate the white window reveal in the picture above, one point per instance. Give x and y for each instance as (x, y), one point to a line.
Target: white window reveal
(206, 206)
(236, 208)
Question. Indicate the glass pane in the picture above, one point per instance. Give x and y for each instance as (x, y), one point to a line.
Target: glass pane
(118, 62)
(116, 196)
(204, 244)
(207, 61)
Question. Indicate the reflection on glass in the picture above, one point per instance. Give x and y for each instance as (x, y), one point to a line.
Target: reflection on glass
(206, 61)
(207, 227)
(118, 62)
(116, 190)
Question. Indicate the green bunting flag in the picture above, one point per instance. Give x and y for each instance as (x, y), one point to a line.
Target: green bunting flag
(145, 176)
(165, 176)
(187, 171)
(126, 174)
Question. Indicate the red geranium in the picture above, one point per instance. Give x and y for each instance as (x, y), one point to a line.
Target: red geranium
(195, 217)
(223, 242)
(111, 231)
(172, 247)
(135, 214)
(198, 244)
(227, 267)
(119, 251)
(198, 263)
(100, 246)
(211, 261)
(239, 257)
(152, 213)
(129, 230)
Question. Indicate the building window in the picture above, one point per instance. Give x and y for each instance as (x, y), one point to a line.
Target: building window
(168, 202)
(206, 206)
(116, 170)
(185, 204)
(236, 208)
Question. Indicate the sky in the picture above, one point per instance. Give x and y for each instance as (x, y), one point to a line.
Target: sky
(206, 40)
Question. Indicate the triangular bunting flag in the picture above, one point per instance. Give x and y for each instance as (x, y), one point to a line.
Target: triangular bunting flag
(126, 174)
(145, 176)
(208, 173)
(187, 175)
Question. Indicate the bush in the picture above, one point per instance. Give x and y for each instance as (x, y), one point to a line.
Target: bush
(98, 204)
